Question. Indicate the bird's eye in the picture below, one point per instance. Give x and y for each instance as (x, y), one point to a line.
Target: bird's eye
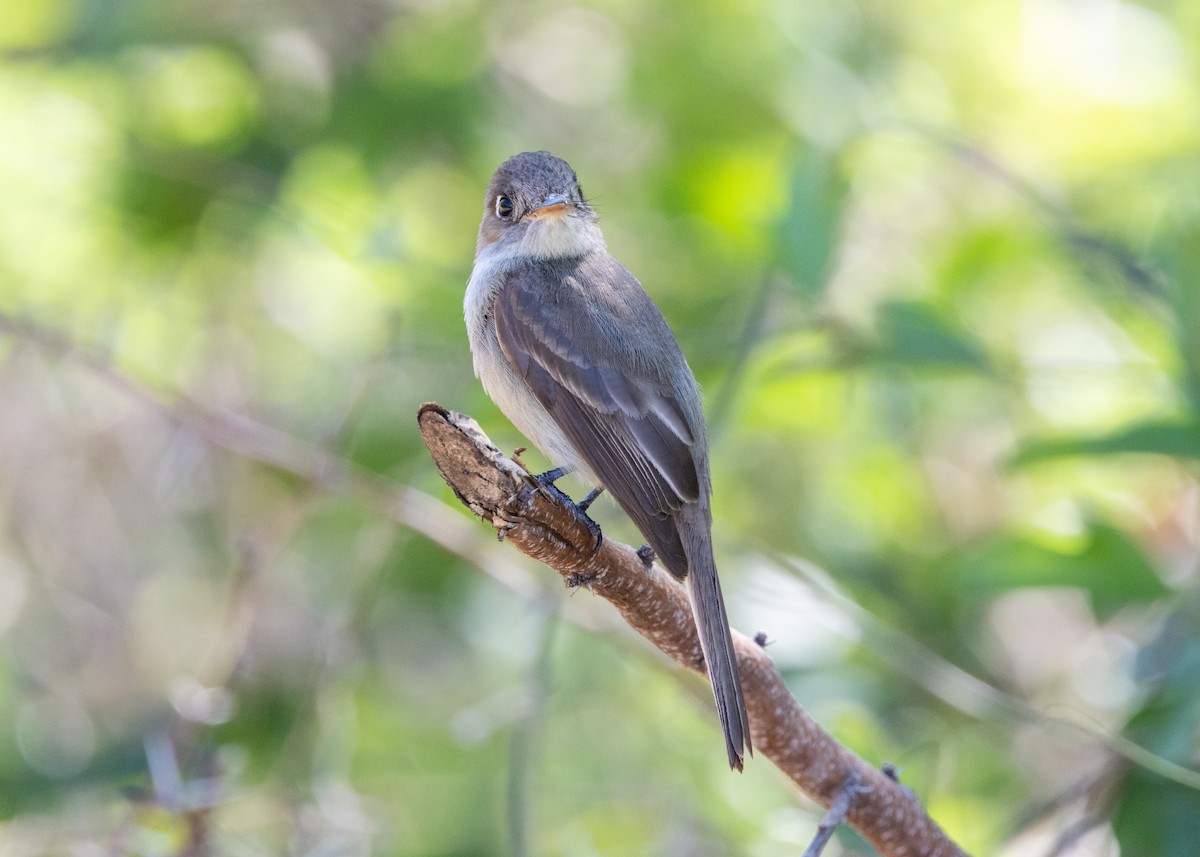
(504, 207)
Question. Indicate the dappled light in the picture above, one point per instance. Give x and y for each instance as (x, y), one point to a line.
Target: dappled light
(936, 267)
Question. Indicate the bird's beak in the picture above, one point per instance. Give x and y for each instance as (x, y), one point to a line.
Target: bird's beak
(555, 205)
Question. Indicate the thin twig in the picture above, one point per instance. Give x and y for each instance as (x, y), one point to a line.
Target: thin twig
(1085, 788)
(843, 799)
(1074, 833)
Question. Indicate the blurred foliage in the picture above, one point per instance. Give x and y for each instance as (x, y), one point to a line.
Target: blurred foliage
(936, 264)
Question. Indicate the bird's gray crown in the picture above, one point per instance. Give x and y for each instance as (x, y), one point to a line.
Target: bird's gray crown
(530, 177)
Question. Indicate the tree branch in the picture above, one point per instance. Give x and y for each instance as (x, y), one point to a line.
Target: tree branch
(655, 605)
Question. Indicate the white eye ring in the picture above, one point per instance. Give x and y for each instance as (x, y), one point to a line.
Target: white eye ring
(504, 207)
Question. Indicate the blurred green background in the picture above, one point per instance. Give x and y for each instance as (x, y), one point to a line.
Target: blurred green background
(936, 265)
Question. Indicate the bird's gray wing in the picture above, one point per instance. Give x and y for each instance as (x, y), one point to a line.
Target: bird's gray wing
(630, 407)
(564, 327)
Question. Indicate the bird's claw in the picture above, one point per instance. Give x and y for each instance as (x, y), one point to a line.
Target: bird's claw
(593, 528)
(546, 483)
(587, 501)
(547, 479)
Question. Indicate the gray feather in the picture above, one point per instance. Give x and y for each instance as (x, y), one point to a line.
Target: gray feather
(631, 409)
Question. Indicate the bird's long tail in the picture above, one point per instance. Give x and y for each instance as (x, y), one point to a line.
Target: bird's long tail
(708, 608)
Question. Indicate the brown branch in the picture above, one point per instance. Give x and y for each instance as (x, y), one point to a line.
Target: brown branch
(539, 525)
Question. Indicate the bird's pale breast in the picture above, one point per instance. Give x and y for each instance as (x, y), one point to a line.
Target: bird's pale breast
(501, 382)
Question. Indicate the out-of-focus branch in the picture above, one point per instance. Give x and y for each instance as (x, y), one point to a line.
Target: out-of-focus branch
(268, 445)
(655, 605)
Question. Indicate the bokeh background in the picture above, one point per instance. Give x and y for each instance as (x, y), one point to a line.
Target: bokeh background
(936, 265)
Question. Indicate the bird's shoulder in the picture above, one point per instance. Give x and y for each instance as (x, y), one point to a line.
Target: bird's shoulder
(593, 308)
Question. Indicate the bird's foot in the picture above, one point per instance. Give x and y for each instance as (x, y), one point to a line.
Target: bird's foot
(547, 480)
(646, 555)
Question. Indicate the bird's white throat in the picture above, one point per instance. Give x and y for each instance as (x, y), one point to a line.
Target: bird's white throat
(553, 237)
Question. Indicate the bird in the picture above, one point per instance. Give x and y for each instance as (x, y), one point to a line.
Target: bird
(578, 356)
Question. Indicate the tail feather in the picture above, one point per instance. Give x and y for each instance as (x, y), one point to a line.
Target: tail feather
(712, 623)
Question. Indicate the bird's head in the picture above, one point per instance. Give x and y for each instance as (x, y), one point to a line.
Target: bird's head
(535, 209)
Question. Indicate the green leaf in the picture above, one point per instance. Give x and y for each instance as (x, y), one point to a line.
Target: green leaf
(1178, 439)
(910, 333)
(1108, 566)
(808, 232)
(1156, 818)
(1152, 814)
(1182, 262)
